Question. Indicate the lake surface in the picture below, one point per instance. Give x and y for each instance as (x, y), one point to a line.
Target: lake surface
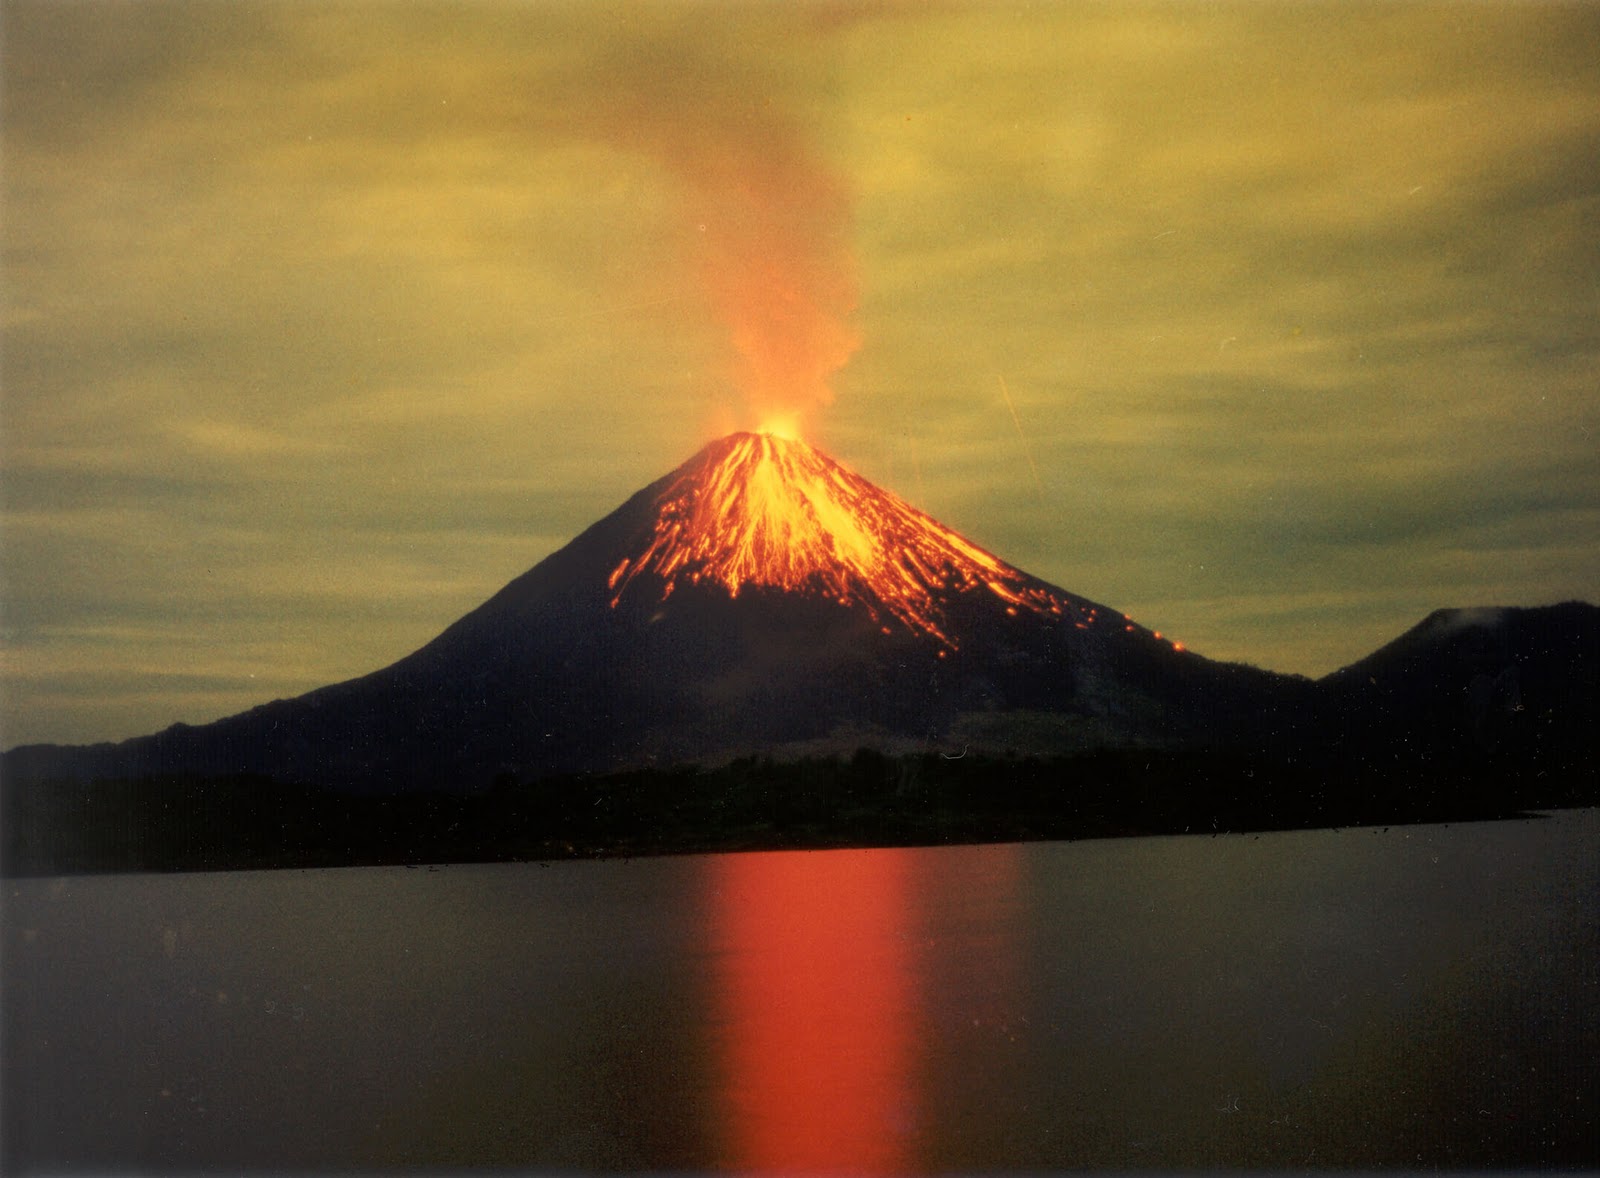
(1412, 997)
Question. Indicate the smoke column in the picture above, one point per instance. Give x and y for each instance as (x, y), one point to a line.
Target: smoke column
(767, 223)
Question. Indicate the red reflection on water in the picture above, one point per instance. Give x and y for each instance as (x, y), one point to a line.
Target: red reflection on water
(817, 1004)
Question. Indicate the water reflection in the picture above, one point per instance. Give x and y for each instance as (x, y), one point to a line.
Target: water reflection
(829, 972)
(1356, 1000)
(815, 985)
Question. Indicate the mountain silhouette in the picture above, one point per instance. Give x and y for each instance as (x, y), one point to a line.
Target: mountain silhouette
(759, 598)
(763, 649)
(1488, 682)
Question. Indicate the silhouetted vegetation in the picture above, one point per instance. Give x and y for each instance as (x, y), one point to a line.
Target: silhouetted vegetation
(240, 822)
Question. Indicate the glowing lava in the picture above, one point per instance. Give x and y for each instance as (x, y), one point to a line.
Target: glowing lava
(764, 510)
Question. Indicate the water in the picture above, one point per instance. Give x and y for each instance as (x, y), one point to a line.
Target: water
(1416, 997)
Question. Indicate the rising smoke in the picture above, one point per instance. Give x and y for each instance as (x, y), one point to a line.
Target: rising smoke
(766, 222)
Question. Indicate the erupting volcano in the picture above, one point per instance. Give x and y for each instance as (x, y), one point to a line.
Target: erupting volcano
(759, 599)
(763, 510)
(761, 644)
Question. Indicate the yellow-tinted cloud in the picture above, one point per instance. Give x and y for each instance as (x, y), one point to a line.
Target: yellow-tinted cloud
(323, 320)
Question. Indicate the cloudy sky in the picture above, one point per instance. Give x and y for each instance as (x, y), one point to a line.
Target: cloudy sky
(1274, 325)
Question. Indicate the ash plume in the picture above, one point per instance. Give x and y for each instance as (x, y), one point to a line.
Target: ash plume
(765, 220)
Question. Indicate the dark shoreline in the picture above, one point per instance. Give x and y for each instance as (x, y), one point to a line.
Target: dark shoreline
(172, 824)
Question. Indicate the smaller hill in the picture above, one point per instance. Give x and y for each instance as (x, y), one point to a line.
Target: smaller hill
(1514, 686)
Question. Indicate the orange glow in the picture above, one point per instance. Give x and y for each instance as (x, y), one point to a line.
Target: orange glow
(817, 1040)
(786, 426)
(760, 509)
(766, 225)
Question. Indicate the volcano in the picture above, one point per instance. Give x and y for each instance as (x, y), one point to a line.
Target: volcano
(763, 649)
(761, 598)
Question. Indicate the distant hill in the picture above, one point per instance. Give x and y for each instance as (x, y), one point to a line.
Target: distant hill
(1498, 683)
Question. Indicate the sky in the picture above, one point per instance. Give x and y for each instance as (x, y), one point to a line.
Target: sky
(1275, 325)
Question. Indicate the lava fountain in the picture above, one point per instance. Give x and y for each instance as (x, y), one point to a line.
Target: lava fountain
(763, 510)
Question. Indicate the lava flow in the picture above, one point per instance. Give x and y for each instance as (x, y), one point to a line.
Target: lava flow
(763, 510)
